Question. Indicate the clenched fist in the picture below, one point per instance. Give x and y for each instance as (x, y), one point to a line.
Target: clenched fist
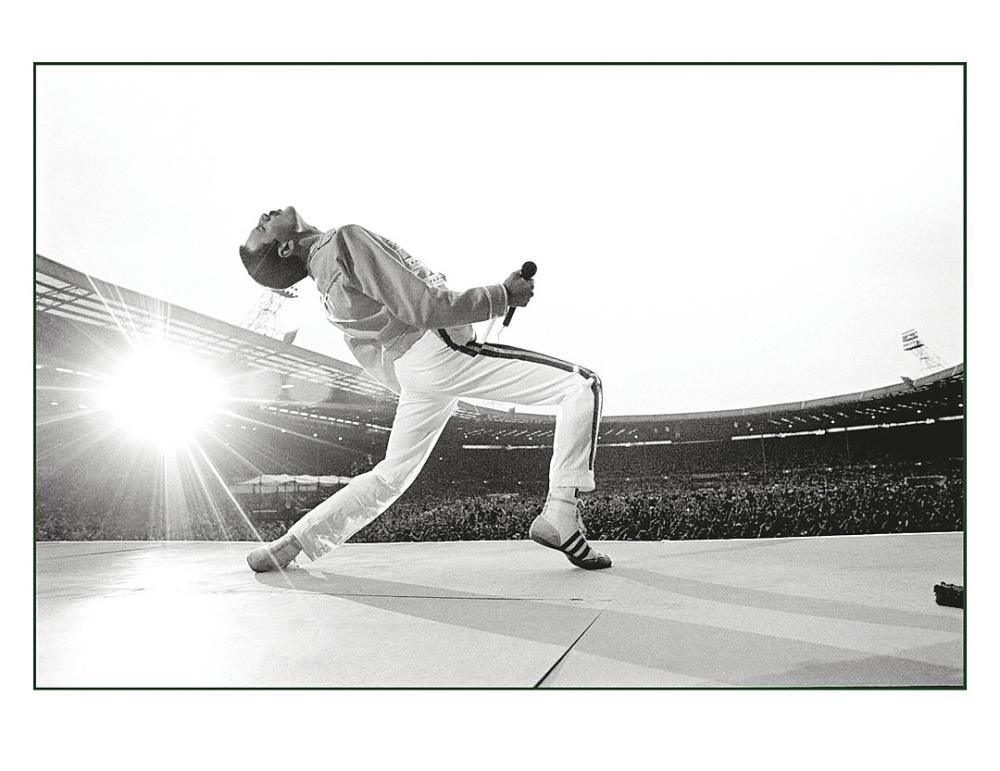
(519, 290)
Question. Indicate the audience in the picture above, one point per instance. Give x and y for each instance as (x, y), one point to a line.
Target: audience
(783, 503)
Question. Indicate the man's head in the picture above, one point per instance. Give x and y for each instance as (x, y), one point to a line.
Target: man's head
(272, 253)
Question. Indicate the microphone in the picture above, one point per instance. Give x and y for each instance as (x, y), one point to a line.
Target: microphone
(527, 272)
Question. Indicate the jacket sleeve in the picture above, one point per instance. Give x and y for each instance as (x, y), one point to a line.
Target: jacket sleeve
(381, 275)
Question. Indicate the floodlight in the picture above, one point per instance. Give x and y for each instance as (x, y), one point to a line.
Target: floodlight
(162, 395)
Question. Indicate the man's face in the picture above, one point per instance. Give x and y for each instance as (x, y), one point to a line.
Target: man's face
(279, 225)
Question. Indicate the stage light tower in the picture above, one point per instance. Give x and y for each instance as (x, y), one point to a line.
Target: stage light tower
(929, 360)
(263, 316)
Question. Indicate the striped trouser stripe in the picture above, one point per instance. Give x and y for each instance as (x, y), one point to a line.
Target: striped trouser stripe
(497, 351)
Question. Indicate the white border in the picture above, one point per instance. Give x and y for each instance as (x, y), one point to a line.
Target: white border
(621, 729)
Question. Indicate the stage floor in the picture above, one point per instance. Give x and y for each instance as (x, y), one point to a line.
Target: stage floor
(834, 611)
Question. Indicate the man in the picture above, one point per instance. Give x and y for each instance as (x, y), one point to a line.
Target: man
(414, 336)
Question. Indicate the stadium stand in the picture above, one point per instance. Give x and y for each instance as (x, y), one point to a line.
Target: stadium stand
(885, 460)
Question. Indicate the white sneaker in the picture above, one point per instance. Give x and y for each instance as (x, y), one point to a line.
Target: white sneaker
(544, 532)
(276, 555)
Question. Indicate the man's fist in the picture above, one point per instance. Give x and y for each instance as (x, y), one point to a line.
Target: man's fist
(519, 290)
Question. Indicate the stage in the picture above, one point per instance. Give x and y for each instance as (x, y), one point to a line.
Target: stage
(834, 611)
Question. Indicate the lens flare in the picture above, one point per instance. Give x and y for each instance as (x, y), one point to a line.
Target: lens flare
(163, 396)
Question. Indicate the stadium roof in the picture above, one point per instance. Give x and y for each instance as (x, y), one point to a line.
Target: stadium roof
(857, 399)
(70, 294)
(935, 396)
(928, 399)
(82, 301)
(62, 292)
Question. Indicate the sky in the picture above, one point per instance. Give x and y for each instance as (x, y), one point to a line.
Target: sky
(706, 237)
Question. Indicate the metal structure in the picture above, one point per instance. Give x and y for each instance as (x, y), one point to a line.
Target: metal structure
(929, 361)
(263, 316)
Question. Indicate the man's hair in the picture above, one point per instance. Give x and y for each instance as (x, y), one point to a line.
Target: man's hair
(268, 269)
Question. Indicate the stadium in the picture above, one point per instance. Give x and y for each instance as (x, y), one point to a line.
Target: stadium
(794, 544)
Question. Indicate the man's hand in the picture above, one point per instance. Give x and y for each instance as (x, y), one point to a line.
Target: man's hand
(519, 290)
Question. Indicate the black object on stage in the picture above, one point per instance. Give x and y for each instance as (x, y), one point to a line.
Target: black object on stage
(951, 595)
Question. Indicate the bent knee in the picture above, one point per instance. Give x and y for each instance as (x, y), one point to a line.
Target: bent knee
(588, 380)
(593, 382)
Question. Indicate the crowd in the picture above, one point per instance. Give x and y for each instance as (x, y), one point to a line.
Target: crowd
(58, 520)
(868, 499)
(729, 506)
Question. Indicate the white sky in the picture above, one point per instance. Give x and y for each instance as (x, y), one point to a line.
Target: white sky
(707, 237)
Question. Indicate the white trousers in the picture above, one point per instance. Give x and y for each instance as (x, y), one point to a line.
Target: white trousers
(433, 375)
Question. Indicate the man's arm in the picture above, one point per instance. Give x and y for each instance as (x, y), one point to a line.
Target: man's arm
(381, 276)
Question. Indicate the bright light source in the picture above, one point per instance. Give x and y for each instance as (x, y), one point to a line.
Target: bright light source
(162, 395)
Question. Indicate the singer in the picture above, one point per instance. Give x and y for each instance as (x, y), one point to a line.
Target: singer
(414, 336)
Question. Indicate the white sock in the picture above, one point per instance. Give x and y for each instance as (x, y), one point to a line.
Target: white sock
(560, 510)
(564, 493)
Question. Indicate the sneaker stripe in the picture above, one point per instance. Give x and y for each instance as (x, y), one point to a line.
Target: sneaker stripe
(572, 543)
(581, 551)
